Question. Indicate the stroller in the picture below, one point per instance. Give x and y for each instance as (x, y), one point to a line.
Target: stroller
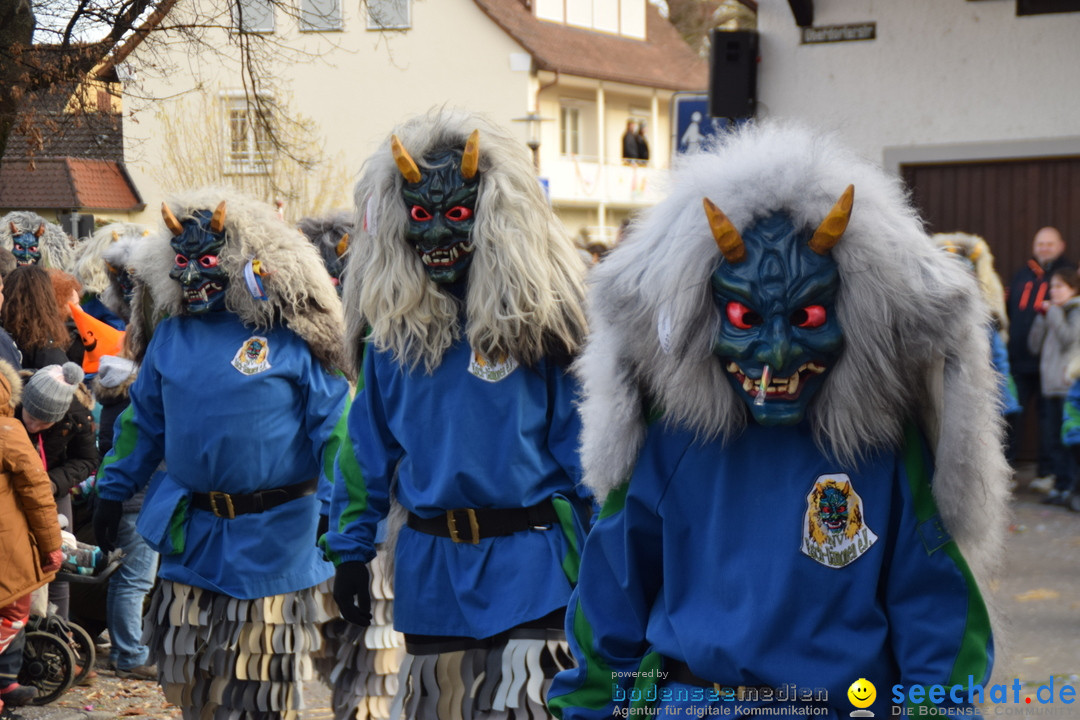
(58, 653)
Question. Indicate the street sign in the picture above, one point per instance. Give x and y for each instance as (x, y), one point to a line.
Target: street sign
(691, 123)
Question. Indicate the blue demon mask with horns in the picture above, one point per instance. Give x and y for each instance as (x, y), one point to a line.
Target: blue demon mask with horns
(198, 242)
(442, 207)
(779, 333)
(25, 245)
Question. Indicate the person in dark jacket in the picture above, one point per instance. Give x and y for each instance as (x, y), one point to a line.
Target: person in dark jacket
(62, 431)
(129, 585)
(1027, 299)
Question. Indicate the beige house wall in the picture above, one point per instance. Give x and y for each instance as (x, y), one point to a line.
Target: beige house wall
(353, 85)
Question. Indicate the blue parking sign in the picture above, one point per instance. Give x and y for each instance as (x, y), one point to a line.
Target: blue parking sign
(691, 122)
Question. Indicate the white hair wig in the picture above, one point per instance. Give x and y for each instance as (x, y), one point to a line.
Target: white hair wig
(300, 294)
(916, 346)
(56, 249)
(90, 262)
(526, 281)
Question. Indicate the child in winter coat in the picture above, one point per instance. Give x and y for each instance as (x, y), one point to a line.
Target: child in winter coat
(1055, 337)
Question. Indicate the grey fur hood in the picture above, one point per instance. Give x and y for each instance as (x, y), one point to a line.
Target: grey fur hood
(916, 346)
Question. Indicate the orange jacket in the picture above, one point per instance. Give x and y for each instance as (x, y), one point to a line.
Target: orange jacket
(29, 530)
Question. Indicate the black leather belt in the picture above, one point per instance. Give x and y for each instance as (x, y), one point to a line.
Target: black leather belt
(470, 526)
(229, 505)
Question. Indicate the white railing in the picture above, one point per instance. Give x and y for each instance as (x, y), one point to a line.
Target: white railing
(575, 179)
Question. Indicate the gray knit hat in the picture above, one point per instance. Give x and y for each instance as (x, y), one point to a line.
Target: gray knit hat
(48, 394)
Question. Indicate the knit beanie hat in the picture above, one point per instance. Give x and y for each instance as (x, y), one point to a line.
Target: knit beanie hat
(48, 394)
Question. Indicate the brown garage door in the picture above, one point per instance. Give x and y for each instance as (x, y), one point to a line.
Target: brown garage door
(1004, 202)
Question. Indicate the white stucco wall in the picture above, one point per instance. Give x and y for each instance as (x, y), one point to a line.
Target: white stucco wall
(356, 86)
(943, 80)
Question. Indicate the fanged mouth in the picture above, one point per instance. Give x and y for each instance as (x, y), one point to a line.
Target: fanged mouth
(445, 257)
(201, 293)
(779, 388)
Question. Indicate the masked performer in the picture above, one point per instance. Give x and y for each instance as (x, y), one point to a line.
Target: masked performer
(239, 392)
(97, 274)
(330, 234)
(472, 292)
(796, 382)
(32, 240)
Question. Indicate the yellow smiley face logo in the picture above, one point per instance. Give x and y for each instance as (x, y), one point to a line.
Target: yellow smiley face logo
(862, 693)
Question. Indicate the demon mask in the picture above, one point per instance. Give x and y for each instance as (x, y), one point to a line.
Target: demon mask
(779, 333)
(442, 207)
(198, 242)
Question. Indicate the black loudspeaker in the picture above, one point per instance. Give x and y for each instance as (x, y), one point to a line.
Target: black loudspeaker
(733, 73)
(803, 10)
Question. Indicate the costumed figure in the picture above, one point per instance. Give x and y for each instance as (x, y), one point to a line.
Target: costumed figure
(359, 663)
(240, 392)
(97, 273)
(467, 293)
(790, 412)
(978, 258)
(330, 234)
(32, 240)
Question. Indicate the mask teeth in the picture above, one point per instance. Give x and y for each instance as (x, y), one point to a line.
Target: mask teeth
(763, 387)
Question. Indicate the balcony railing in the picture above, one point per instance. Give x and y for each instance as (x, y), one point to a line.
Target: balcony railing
(579, 179)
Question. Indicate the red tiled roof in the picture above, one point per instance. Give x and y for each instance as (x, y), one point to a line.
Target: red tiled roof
(663, 60)
(67, 184)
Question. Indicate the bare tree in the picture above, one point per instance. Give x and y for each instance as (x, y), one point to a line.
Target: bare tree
(61, 61)
(694, 19)
(198, 142)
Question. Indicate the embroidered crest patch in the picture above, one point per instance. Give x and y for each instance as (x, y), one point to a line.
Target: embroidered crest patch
(835, 533)
(253, 356)
(491, 371)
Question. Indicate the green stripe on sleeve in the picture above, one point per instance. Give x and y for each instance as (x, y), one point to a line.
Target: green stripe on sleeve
(972, 657)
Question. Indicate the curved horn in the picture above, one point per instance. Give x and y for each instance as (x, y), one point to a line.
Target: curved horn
(217, 221)
(115, 236)
(170, 220)
(343, 245)
(727, 237)
(404, 161)
(470, 159)
(14, 230)
(40, 231)
(834, 224)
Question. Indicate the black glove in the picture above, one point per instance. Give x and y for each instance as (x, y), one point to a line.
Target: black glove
(352, 592)
(107, 516)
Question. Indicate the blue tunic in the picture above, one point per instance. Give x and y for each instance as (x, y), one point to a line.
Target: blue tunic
(226, 417)
(448, 440)
(764, 563)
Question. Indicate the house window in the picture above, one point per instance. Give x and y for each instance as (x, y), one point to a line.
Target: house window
(320, 14)
(569, 130)
(248, 145)
(254, 15)
(388, 14)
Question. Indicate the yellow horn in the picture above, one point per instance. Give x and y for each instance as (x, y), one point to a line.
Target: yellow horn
(343, 245)
(404, 161)
(834, 224)
(170, 220)
(115, 236)
(727, 237)
(470, 159)
(217, 221)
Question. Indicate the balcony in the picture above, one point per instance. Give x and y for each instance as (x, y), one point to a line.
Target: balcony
(584, 181)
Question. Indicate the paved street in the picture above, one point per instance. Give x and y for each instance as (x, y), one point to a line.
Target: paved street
(1039, 592)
